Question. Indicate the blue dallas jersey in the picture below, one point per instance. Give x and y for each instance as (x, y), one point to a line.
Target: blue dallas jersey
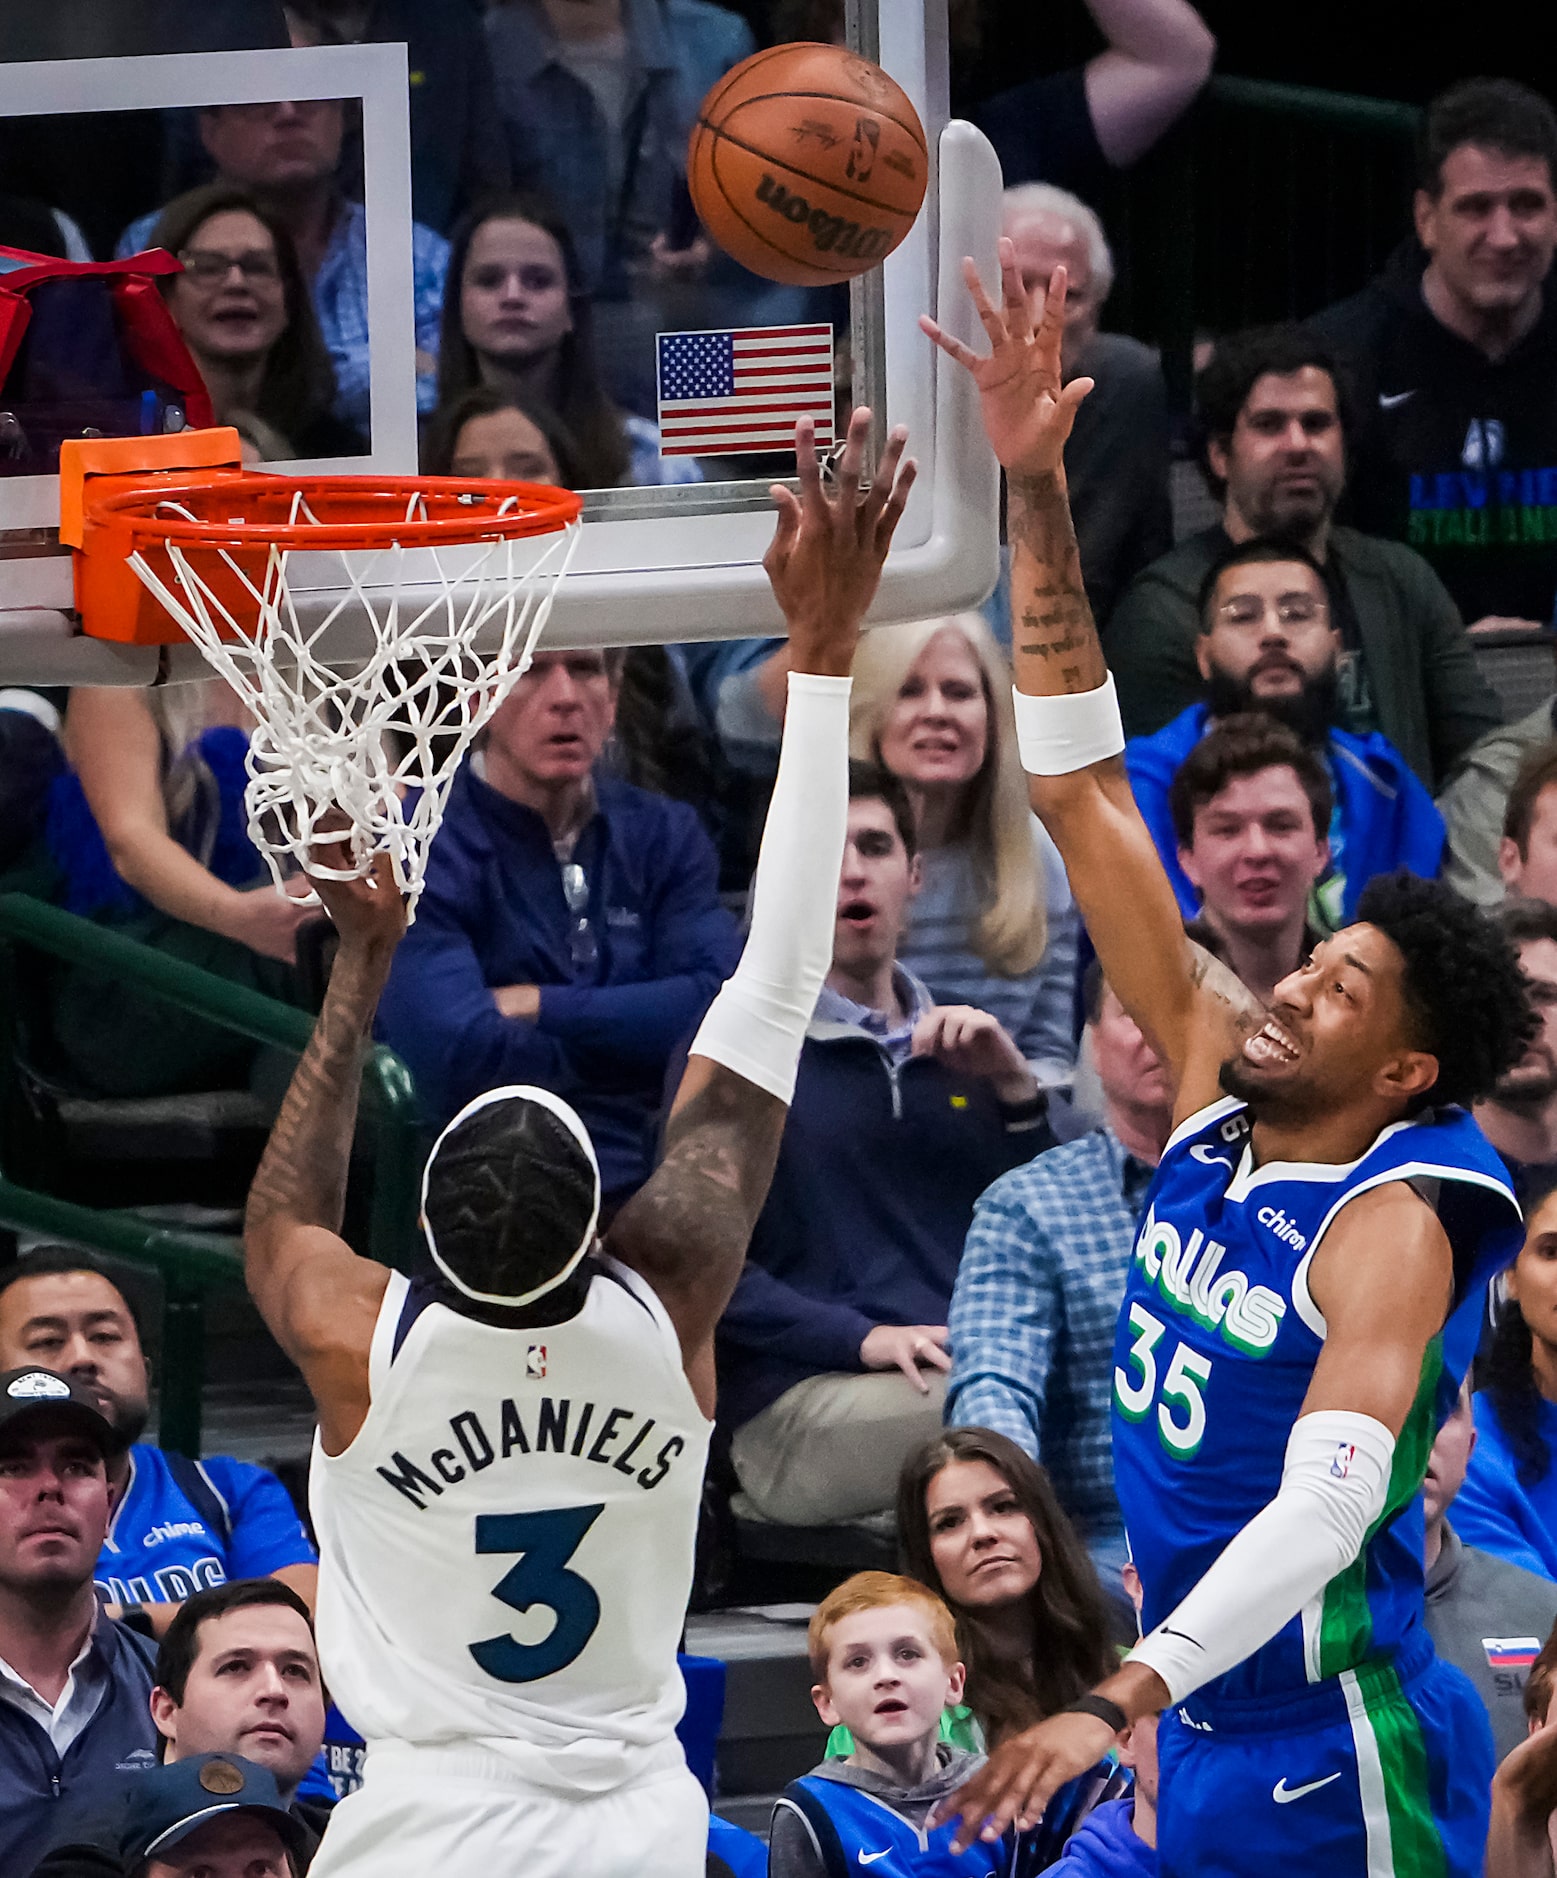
(1216, 1347)
(171, 1537)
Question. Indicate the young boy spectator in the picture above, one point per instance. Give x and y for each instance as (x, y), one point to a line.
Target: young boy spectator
(1454, 349)
(73, 1683)
(288, 157)
(1251, 811)
(1116, 458)
(1485, 1615)
(884, 1654)
(1275, 423)
(1037, 1295)
(1519, 1118)
(237, 1673)
(1479, 809)
(570, 933)
(178, 1526)
(1523, 1828)
(1268, 642)
(832, 1348)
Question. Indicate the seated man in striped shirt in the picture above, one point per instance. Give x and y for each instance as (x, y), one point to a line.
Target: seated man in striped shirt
(1037, 1293)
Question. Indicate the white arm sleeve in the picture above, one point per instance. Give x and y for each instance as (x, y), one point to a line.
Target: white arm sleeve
(757, 1023)
(1334, 1485)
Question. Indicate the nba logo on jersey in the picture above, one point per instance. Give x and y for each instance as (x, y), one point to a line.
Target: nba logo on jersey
(1341, 1466)
(534, 1362)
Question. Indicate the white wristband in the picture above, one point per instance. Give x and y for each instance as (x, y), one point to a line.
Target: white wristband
(1059, 735)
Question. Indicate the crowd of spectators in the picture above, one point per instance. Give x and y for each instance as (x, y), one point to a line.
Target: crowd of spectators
(920, 1344)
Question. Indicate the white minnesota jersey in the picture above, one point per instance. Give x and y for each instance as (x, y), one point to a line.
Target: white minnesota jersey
(506, 1548)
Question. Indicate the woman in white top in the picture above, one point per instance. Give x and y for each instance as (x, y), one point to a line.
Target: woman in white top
(994, 925)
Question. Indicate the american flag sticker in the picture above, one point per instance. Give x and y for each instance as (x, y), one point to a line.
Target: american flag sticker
(739, 393)
(1511, 1652)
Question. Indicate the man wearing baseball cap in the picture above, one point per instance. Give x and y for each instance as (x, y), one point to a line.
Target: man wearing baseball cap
(215, 1813)
(74, 1685)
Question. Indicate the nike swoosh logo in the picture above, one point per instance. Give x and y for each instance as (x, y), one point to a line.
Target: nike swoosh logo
(1389, 399)
(869, 1858)
(1284, 1795)
(1168, 1631)
(1200, 1152)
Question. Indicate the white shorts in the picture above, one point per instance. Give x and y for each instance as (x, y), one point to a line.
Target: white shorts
(453, 1813)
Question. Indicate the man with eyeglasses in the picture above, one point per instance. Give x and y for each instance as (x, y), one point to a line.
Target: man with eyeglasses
(1267, 641)
(1276, 422)
(570, 932)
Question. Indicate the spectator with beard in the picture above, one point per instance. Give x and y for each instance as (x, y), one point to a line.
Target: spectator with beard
(1275, 419)
(1251, 809)
(237, 1673)
(1519, 1118)
(1454, 350)
(1268, 643)
(179, 1525)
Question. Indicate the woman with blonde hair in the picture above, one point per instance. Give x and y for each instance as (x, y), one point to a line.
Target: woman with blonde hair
(993, 925)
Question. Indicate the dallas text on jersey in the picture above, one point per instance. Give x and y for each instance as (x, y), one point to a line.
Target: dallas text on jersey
(555, 1429)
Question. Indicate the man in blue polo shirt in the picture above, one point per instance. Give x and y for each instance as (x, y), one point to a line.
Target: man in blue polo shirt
(178, 1526)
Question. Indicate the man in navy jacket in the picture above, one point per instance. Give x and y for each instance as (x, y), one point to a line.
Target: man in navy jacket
(569, 934)
(1268, 643)
(74, 1684)
(832, 1350)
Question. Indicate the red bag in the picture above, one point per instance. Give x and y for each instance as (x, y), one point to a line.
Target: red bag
(89, 349)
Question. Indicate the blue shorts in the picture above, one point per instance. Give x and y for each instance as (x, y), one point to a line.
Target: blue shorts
(1381, 1772)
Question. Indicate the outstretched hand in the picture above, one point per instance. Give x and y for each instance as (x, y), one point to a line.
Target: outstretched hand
(825, 559)
(1028, 409)
(368, 911)
(1022, 1776)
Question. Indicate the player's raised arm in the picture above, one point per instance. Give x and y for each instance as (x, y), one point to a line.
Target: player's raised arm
(687, 1229)
(1067, 716)
(319, 1299)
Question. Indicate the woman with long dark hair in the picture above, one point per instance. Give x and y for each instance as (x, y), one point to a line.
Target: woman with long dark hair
(978, 1522)
(1508, 1505)
(246, 315)
(516, 317)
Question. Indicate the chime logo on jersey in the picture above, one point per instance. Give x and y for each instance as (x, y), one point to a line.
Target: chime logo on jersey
(1191, 1280)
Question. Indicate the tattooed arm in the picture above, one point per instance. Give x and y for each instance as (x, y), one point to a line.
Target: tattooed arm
(687, 1229)
(1193, 1009)
(319, 1299)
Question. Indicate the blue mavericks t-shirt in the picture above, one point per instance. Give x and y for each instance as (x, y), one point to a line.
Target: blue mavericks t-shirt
(161, 1549)
(1216, 1346)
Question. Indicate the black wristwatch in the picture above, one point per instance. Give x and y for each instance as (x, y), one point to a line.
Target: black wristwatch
(1102, 1708)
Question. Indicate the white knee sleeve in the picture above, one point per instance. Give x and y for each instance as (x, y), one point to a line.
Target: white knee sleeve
(757, 1023)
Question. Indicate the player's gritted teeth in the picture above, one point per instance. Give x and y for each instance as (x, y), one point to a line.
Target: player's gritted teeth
(1272, 1046)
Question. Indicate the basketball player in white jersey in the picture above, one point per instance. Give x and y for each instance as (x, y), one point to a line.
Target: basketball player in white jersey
(510, 1454)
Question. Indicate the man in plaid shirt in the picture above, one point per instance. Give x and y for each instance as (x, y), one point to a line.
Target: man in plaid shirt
(1037, 1293)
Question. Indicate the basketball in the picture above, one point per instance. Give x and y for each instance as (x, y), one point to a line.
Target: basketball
(807, 164)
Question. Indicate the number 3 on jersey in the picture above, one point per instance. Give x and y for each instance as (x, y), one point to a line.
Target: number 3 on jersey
(1186, 1375)
(547, 1542)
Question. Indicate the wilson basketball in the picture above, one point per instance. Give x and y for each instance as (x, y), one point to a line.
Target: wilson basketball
(807, 164)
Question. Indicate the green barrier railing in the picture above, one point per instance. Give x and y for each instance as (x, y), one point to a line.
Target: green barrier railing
(1268, 202)
(193, 1264)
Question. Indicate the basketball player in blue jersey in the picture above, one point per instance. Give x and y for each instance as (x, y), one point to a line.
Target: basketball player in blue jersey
(1305, 1291)
(510, 1455)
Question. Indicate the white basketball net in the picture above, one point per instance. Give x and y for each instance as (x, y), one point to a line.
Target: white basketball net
(381, 742)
